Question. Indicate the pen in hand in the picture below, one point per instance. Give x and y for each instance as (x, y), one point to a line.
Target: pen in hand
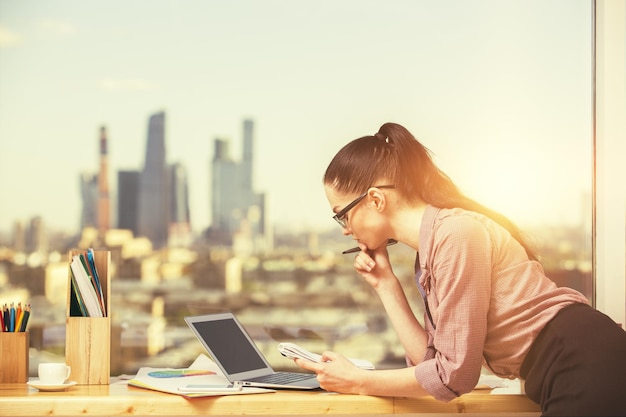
(357, 249)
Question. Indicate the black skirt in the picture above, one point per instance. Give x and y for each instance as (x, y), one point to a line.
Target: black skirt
(577, 365)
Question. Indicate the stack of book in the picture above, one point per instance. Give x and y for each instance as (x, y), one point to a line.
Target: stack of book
(86, 293)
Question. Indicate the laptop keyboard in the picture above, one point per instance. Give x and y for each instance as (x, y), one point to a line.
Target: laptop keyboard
(282, 378)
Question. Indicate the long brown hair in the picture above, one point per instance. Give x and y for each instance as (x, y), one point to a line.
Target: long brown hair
(394, 154)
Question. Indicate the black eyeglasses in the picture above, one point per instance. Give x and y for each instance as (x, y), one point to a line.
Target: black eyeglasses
(340, 217)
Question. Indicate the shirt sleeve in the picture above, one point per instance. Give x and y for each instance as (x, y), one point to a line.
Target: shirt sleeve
(459, 270)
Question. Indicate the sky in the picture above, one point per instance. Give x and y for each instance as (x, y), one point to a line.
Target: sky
(498, 90)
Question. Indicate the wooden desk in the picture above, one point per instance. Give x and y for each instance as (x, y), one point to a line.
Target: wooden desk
(120, 399)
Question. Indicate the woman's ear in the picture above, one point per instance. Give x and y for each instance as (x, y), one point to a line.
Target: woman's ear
(376, 199)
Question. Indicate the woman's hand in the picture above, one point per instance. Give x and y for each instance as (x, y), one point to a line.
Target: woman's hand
(374, 266)
(338, 374)
(335, 373)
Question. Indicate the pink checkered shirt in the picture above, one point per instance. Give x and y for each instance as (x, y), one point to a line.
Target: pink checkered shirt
(487, 299)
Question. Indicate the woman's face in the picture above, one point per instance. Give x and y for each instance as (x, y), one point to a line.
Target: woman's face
(365, 222)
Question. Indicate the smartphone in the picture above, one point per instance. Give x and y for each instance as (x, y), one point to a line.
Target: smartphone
(211, 388)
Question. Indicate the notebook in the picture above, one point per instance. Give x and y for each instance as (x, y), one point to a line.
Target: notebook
(230, 346)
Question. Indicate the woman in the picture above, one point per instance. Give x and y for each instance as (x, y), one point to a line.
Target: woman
(486, 297)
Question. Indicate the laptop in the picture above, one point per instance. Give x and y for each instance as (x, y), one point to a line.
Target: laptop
(230, 346)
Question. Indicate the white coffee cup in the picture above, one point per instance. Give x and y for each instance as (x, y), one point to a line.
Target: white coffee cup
(53, 373)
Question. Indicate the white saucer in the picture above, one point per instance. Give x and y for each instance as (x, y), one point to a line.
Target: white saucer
(51, 387)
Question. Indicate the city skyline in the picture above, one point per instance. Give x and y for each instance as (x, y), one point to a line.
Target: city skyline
(508, 117)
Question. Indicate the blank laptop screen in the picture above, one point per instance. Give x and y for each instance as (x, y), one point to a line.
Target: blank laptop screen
(230, 345)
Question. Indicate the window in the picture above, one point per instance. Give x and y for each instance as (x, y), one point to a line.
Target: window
(504, 101)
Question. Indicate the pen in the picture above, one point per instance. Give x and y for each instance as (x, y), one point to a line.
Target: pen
(18, 317)
(357, 249)
(12, 318)
(25, 319)
(7, 319)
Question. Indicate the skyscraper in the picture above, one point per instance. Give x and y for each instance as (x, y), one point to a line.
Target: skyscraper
(247, 157)
(37, 237)
(225, 193)
(104, 217)
(19, 236)
(179, 219)
(153, 189)
(236, 208)
(128, 200)
(89, 197)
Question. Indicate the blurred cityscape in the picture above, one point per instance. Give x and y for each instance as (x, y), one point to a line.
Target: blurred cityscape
(282, 286)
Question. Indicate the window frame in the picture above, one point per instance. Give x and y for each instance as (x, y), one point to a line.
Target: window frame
(609, 148)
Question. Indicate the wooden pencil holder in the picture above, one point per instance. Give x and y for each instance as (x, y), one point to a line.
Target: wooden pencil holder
(88, 339)
(14, 357)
